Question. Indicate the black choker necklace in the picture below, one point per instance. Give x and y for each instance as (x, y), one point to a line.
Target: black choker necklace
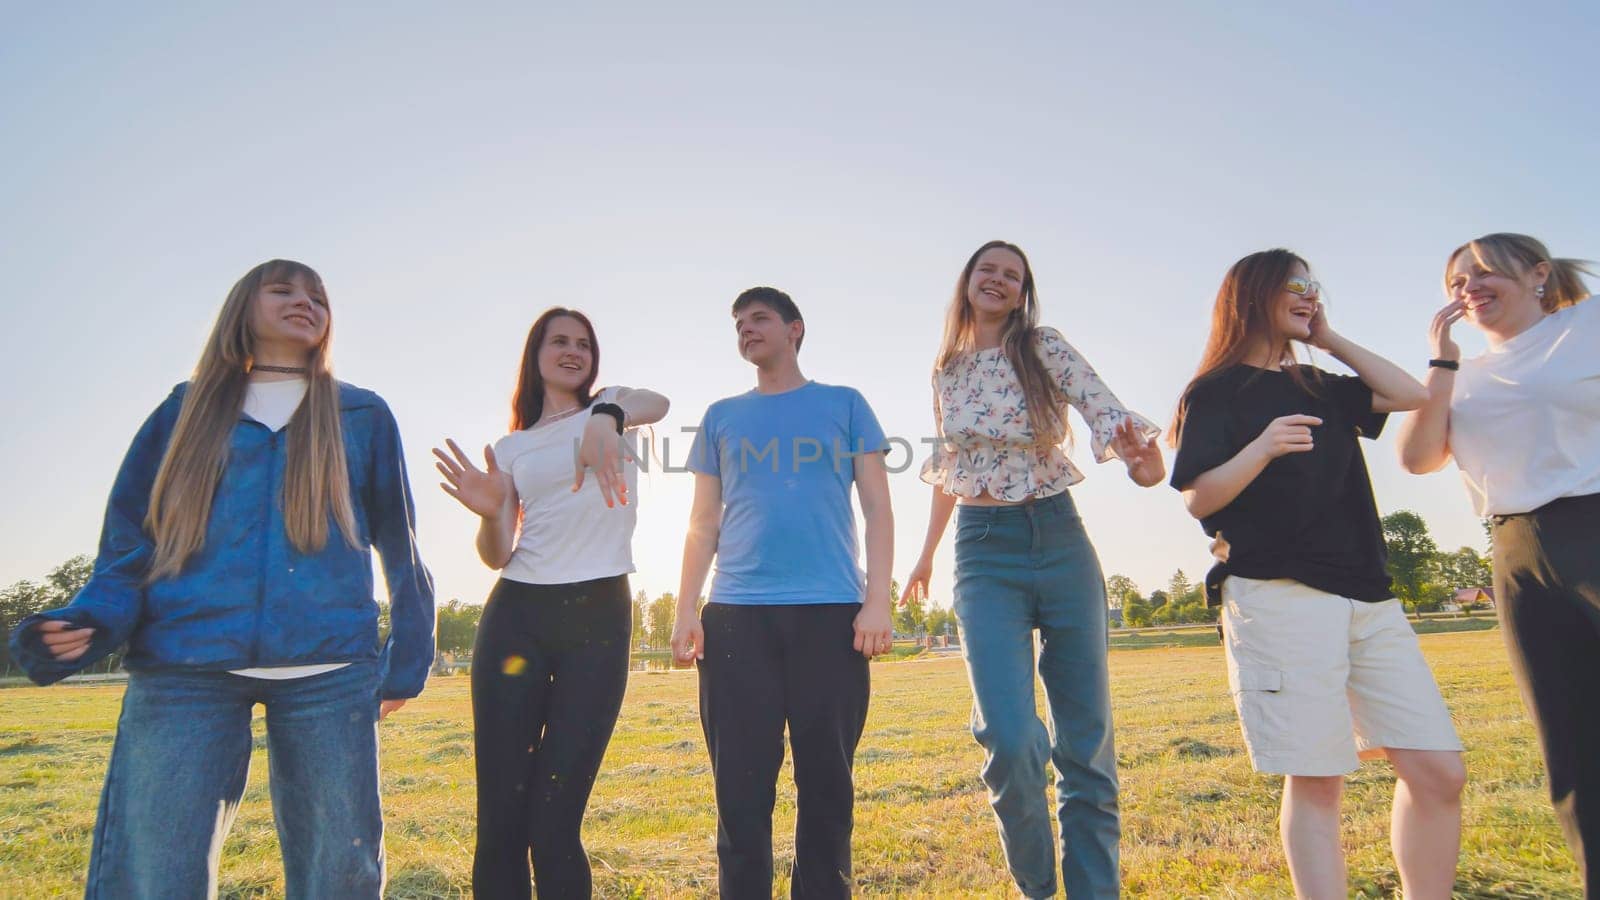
(281, 370)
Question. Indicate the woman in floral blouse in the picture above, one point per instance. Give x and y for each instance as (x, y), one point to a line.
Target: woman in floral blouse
(1001, 386)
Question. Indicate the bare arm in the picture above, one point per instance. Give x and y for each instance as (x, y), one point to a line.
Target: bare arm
(939, 511)
(699, 547)
(1215, 488)
(1393, 388)
(642, 407)
(489, 493)
(497, 534)
(874, 625)
(1424, 443)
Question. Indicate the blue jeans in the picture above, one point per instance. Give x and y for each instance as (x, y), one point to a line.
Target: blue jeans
(178, 772)
(1021, 569)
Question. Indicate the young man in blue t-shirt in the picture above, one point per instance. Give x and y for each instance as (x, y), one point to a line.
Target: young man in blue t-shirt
(791, 622)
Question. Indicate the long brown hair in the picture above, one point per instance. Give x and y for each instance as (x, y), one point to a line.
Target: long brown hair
(1240, 320)
(527, 404)
(316, 482)
(1041, 395)
(1514, 254)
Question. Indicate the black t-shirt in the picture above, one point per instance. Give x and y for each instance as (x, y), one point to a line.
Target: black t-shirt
(1308, 516)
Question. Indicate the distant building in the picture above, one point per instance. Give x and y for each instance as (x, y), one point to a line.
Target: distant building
(1466, 598)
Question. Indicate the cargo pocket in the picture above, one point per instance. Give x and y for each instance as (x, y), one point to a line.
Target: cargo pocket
(1249, 678)
(1263, 710)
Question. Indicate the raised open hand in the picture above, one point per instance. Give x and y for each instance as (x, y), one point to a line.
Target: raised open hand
(482, 491)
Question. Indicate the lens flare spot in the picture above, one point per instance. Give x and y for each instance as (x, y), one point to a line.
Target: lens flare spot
(513, 665)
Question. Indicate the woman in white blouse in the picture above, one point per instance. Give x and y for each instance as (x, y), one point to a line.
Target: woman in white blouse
(1522, 421)
(550, 663)
(1001, 386)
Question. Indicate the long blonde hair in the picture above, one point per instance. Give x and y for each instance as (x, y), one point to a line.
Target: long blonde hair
(1514, 254)
(1043, 397)
(316, 482)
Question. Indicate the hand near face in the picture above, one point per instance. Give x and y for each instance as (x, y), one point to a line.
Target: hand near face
(1322, 335)
(1440, 342)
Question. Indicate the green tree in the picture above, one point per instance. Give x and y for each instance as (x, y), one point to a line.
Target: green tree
(19, 600)
(641, 615)
(457, 626)
(662, 612)
(1136, 612)
(941, 621)
(1180, 590)
(1158, 599)
(909, 615)
(1464, 569)
(1119, 590)
(1412, 554)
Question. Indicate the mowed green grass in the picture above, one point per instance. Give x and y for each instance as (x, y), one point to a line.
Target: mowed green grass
(1197, 821)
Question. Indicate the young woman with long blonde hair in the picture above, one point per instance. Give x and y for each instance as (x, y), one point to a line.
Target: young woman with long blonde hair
(235, 563)
(1024, 564)
(1522, 421)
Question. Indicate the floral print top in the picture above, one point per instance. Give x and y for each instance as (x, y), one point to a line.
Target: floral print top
(985, 442)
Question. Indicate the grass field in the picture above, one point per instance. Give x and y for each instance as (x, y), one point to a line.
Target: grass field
(1197, 821)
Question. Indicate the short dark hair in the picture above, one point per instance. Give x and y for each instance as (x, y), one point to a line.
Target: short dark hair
(775, 300)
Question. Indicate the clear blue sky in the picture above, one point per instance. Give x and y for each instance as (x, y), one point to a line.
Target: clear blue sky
(453, 172)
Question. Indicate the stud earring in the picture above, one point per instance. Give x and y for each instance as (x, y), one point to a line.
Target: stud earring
(1538, 291)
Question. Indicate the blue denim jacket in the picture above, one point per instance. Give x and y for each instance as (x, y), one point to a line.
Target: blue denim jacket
(248, 597)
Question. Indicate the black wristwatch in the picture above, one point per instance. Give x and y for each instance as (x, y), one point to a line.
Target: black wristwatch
(1450, 364)
(609, 409)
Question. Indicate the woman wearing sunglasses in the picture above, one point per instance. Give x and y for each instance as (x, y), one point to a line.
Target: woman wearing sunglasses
(1323, 666)
(1522, 421)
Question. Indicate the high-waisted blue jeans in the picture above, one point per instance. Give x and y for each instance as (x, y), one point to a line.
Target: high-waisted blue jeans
(1021, 569)
(178, 772)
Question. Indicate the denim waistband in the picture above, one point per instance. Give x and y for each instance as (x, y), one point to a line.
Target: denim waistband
(1055, 504)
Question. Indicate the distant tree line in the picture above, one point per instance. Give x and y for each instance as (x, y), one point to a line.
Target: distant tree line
(21, 599)
(1425, 578)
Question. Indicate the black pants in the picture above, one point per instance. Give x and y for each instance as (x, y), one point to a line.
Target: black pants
(549, 669)
(1547, 588)
(767, 666)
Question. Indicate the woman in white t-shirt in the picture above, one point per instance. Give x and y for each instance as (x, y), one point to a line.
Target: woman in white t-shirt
(551, 660)
(1522, 421)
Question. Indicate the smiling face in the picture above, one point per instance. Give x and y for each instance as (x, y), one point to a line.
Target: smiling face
(764, 338)
(289, 318)
(567, 356)
(1494, 299)
(995, 287)
(1291, 311)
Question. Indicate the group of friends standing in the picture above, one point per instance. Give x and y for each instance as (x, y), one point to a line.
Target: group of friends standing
(234, 564)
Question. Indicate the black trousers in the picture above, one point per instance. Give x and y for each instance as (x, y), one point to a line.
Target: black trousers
(766, 667)
(1547, 589)
(549, 669)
